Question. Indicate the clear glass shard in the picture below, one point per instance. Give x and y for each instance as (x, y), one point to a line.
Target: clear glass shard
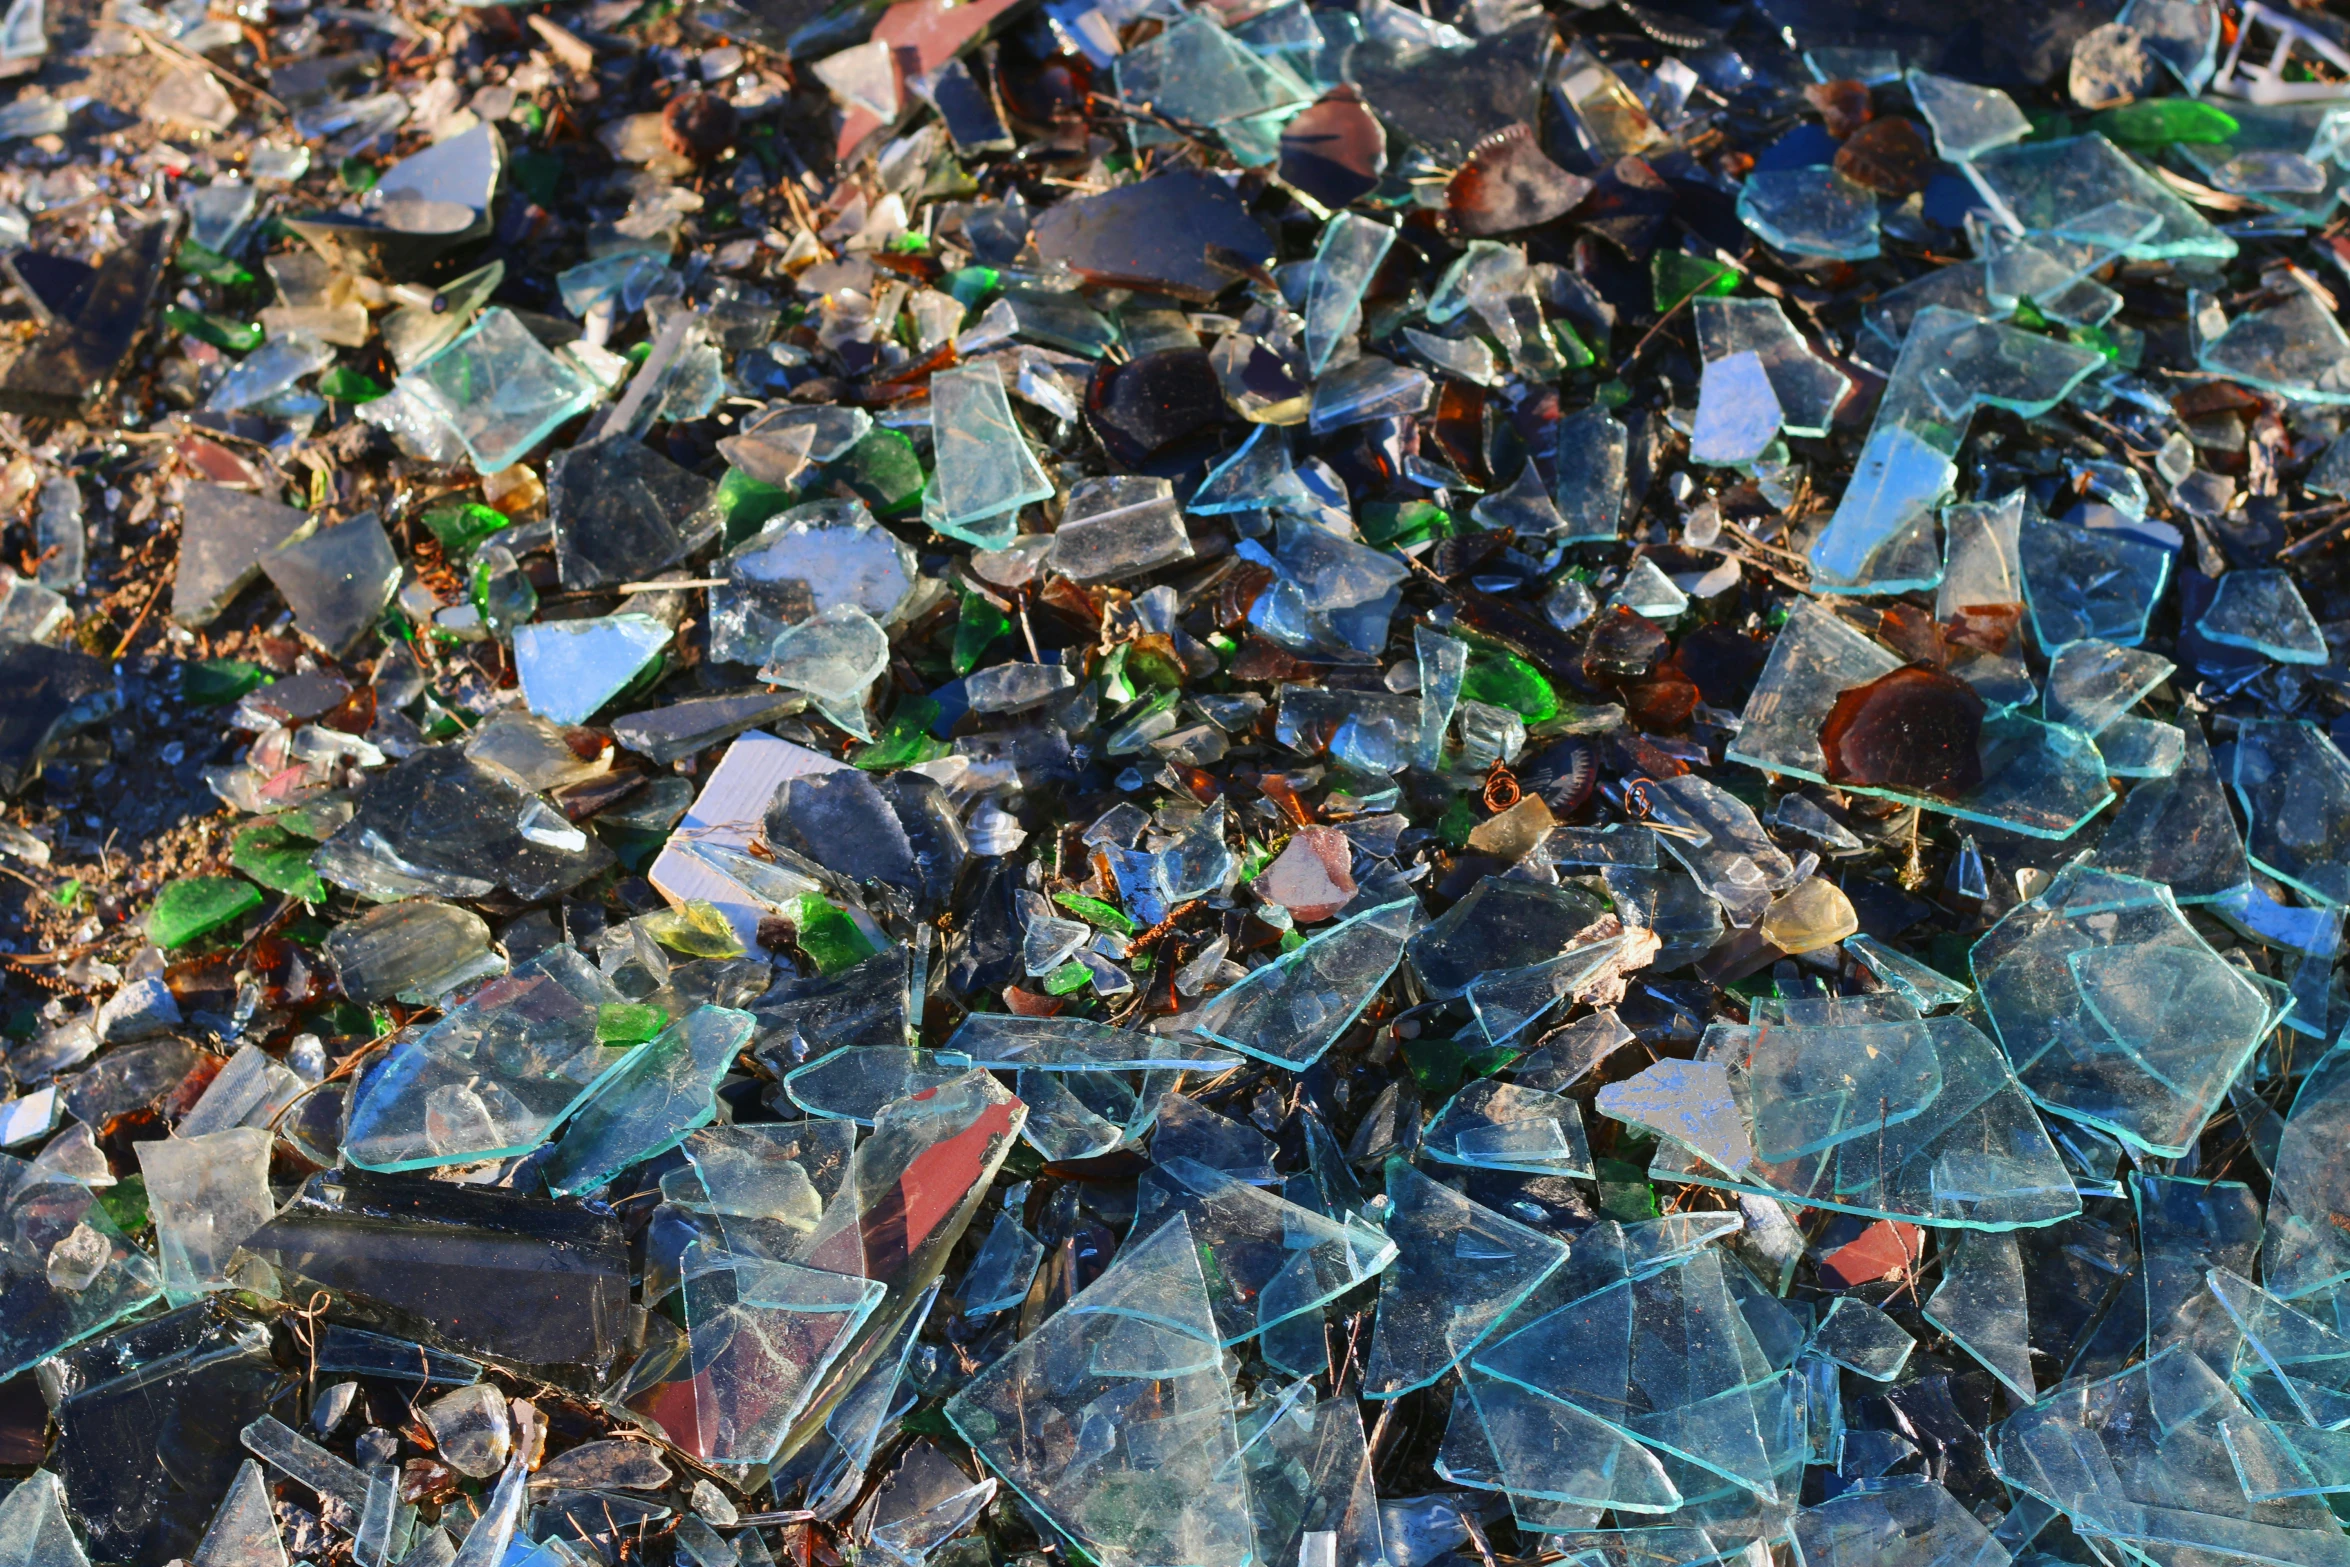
(1293, 1009)
(570, 668)
(1862, 1339)
(1543, 1448)
(499, 390)
(1902, 1521)
(208, 1195)
(224, 533)
(1811, 211)
(2294, 785)
(2115, 1011)
(1504, 1126)
(1813, 1088)
(999, 1276)
(985, 467)
(2263, 611)
(1347, 255)
(2179, 831)
(1131, 1365)
(336, 580)
(1460, 1269)
(1593, 450)
(494, 1075)
(661, 1092)
(2275, 1461)
(1525, 508)
(1967, 120)
(34, 1529)
(244, 1530)
(2037, 187)
(2092, 682)
(1980, 1303)
(1808, 388)
(2185, 1229)
(2295, 349)
(1927, 989)
(1688, 1101)
(1275, 1259)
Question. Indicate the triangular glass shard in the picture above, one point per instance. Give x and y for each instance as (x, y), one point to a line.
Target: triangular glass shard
(1508, 1001)
(1504, 924)
(1000, 1275)
(336, 580)
(1980, 1304)
(2294, 784)
(1525, 508)
(244, 1529)
(1460, 1269)
(1294, 1008)
(1966, 119)
(663, 1091)
(2302, 1250)
(1861, 1338)
(1309, 1480)
(2295, 349)
(2092, 682)
(224, 534)
(2263, 610)
(570, 668)
(34, 1531)
(1257, 477)
(1646, 590)
(1927, 989)
(1550, 1450)
(1118, 1434)
(855, 1081)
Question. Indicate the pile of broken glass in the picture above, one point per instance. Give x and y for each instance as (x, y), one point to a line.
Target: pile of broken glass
(1659, 881)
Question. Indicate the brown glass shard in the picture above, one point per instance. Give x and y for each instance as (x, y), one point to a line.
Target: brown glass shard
(1154, 404)
(1915, 729)
(1508, 184)
(1890, 156)
(1336, 150)
(1843, 105)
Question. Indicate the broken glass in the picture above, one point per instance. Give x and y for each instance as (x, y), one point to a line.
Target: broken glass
(1460, 1270)
(2263, 611)
(2294, 785)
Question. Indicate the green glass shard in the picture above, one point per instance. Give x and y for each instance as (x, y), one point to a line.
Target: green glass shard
(1676, 275)
(198, 906)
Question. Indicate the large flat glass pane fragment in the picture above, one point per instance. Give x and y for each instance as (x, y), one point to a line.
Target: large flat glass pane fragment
(2295, 349)
(2039, 186)
(1460, 1269)
(2115, 1011)
(1135, 1465)
(499, 390)
(660, 1092)
(1980, 1303)
(1275, 1260)
(2294, 784)
(985, 468)
(1908, 1521)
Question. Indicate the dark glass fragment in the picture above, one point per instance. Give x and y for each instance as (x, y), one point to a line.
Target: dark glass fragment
(69, 367)
(1154, 404)
(1182, 233)
(1508, 184)
(1915, 729)
(1336, 150)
